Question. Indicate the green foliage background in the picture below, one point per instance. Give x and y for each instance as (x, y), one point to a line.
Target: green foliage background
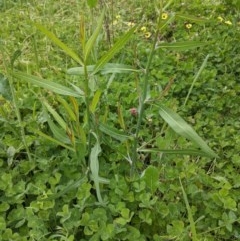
(51, 196)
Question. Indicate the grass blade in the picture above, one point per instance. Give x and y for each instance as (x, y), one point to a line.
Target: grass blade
(59, 43)
(116, 47)
(181, 127)
(190, 216)
(196, 77)
(46, 84)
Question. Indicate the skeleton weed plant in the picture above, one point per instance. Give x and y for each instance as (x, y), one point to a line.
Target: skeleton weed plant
(86, 136)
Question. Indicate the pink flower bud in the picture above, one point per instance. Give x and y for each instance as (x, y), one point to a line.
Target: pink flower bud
(133, 111)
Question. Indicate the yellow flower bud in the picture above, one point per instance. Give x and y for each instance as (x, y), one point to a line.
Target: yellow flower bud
(164, 16)
(147, 35)
(143, 29)
(188, 25)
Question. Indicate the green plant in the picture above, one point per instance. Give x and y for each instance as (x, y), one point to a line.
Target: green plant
(79, 184)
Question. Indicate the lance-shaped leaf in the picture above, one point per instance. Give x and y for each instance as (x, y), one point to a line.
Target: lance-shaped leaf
(59, 43)
(192, 18)
(94, 166)
(46, 84)
(58, 133)
(191, 152)
(68, 108)
(80, 70)
(181, 46)
(114, 68)
(95, 101)
(116, 47)
(181, 127)
(109, 68)
(60, 143)
(89, 45)
(114, 133)
(56, 116)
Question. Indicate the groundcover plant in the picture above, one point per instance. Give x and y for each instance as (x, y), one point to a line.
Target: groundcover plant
(119, 121)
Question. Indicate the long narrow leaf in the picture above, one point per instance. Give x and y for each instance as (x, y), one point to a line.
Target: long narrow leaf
(54, 140)
(80, 70)
(181, 46)
(190, 216)
(191, 152)
(67, 107)
(109, 68)
(95, 101)
(92, 39)
(116, 47)
(114, 133)
(46, 84)
(59, 43)
(196, 77)
(181, 127)
(56, 116)
(192, 18)
(58, 133)
(114, 68)
(94, 166)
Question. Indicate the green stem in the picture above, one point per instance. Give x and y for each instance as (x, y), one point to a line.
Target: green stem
(87, 107)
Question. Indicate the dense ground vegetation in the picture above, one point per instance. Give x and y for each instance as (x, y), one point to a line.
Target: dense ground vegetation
(98, 152)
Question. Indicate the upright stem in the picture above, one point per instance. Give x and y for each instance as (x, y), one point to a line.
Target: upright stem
(87, 107)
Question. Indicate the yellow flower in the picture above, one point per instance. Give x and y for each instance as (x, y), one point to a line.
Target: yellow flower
(188, 25)
(228, 22)
(220, 18)
(118, 16)
(164, 16)
(143, 29)
(147, 35)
